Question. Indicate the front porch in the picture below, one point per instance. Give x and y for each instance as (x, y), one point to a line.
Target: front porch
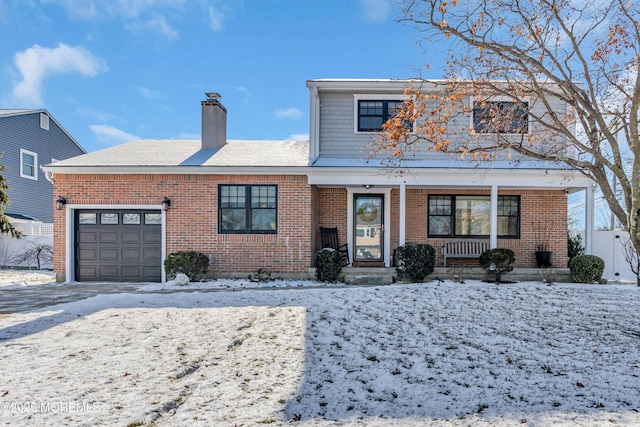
(376, 276)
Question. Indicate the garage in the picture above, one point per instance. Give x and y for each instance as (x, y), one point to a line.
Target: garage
(118, 246)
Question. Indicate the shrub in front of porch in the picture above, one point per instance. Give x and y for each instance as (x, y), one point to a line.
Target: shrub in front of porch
(415, 261)
(497, 261)
(328, 265)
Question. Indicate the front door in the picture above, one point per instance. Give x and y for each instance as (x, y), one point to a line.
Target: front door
(369, 231)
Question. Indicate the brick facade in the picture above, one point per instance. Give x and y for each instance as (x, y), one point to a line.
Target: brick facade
(192, 220)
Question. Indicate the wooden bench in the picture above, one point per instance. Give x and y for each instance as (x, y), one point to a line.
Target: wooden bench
(463, 249)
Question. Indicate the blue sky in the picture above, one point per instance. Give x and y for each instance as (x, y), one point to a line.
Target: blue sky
(115, 70)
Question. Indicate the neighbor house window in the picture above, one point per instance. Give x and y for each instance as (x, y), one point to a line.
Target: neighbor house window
(28, 164)
(246, 209)
(372, 114)
(470, 216)
(500, 117)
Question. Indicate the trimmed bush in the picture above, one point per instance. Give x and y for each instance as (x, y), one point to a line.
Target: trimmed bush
(497, 261)
(586, 268)
(193, 264)
(328, 265)
(415, 261)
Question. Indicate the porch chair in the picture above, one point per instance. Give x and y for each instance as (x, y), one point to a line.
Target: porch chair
(329, 237)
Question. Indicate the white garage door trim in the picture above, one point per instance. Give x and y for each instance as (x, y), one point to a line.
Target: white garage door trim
(69, 238)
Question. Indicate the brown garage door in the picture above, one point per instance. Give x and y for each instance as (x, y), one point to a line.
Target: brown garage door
(118, 246)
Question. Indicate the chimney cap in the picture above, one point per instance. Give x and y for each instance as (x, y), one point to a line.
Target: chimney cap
(212, 95)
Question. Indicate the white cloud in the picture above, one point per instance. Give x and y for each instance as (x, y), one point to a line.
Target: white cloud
(289, 113)
(375, 10)
(149, 93)
(216, 17)
(110, 135)
(93, 9)
(99, 115)
(247, 95)
(37, 63)
(159, 25)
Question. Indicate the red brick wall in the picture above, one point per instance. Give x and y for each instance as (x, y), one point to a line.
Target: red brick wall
(192, 220)
(332, 212)
(548, 206)
(544, 205)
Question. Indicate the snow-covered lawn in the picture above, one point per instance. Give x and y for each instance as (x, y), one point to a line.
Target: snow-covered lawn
(403, 355)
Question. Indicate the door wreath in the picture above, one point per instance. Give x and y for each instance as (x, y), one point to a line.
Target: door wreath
(368, 212)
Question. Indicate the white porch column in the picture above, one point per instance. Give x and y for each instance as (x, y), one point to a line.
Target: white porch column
(589, 219)
(493, 237)
(403, 214)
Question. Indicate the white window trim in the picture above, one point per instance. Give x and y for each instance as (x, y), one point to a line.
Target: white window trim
(498, 99)
(371, 97)
(44, 121)
(35, 164)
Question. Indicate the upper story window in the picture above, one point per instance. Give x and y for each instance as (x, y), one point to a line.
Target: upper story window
(470, 216)
(373, 114)
(500, 117)
(248, 209)
(28, 164)
(44, 121)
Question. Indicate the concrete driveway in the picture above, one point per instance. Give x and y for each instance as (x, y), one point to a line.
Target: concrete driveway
(14, 299)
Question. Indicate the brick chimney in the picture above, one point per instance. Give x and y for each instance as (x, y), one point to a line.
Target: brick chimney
(214, 121)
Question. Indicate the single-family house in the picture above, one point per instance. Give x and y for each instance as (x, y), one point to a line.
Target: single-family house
(261, 204)
(28, 139)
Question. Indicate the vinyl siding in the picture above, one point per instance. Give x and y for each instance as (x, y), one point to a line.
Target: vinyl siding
(338, 139)
(28, 196)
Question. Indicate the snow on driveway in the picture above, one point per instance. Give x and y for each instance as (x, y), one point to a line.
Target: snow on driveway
(402, 355)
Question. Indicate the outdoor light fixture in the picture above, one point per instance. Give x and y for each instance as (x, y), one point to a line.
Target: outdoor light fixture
(60, 203)
(166, 203)
(367, 186)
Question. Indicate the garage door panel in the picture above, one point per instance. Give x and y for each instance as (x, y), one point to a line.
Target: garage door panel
(125, 249)
(109, 237)
(109, 272)
(151, 254)
(88, 254)
(132, 237)
(89, 271)
(131, 254)
(88, 236)
(152, 236)
(131, 272)
(109, 254)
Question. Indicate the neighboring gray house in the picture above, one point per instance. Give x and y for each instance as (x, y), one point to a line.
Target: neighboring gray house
(28, 139)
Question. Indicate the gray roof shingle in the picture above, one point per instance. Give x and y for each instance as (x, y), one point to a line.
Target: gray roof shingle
(175, 152)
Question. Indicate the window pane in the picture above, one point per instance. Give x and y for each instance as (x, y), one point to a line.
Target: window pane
(263, 196)
(153, 218)
(232, 196)
(28, 164)
(108, 218)
(508, 226)
(263, 220)
(500, 117)
(233, 220)
(131, 218)
(473, 215)
(439, 226)
(440, 205)
(87, 218)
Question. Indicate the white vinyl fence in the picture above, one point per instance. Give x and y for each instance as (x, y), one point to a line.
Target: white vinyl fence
(608, 245)
(33, 234)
